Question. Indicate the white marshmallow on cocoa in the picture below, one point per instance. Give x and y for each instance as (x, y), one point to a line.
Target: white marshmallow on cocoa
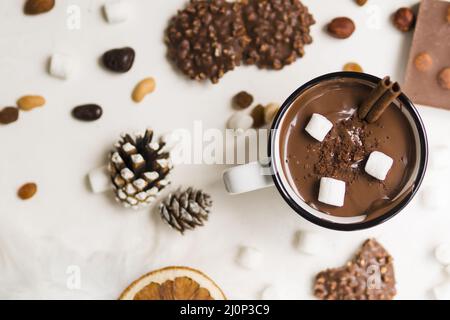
(378, 165)
(442, 253)
(442, 291)
(100, 180)
(116, 11)
(61, 66)
(332, 191)
(249, 258)
(318, 127)
(309, 242)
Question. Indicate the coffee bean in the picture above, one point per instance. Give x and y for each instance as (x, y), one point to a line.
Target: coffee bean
(87, 112)
(9, 115)
(119, 60)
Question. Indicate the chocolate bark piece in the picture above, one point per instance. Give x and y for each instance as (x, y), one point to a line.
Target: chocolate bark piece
(207, 38)
(432, 35)
(279, 30)
(368, 276)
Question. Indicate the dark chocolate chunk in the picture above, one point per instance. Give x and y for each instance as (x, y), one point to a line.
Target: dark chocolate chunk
(119, 60)
(87, 112)
(243, 100)
(206, 39)
(369, 276)
(279, 30)
(9, 115)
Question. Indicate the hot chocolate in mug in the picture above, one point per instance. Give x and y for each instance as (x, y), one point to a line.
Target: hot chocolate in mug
(297, 162)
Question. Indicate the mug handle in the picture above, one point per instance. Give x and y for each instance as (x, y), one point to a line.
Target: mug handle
(248, 177)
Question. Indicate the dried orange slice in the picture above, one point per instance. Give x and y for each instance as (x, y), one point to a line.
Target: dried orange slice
(173, 283)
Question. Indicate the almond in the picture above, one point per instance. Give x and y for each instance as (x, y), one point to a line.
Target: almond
(361, 2)
(27, 103)
(27, 191)
(33, 7)
(341, 27)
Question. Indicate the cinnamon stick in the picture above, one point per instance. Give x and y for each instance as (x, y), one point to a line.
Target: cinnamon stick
(382, 87)
(385, 101)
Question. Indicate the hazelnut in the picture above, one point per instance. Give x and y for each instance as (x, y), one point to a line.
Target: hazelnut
(423, 62)
(444, 78)
(352, 66)
(242, 100)
(404, 19)
(361, 2)
(341, 27)
(258, 116)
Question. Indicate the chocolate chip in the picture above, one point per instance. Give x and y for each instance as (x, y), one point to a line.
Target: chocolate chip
(279, 30)
(119, 60)
(258, 116)
(87, 112)
(9, 115)
(243, 100)
(206, 39)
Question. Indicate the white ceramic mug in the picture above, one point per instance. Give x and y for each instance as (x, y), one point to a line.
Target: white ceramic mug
(257, 175)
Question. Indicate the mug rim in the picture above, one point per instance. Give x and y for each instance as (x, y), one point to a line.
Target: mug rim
(423, 161)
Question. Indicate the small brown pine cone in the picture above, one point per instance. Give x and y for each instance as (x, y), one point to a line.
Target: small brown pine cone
(186, 209)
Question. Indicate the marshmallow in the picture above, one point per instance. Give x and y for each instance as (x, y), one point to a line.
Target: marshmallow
(99, 179)
(318, 127)
(170, 140)
(61, 66)
(447, 270)
(116, 11)
(378, 165)
(433, 198)
(442, 291)
(240, 122)
(332, 192)
(270, 293)
(442, 253)
(308, 242)
(249, 258)
(439, 158)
